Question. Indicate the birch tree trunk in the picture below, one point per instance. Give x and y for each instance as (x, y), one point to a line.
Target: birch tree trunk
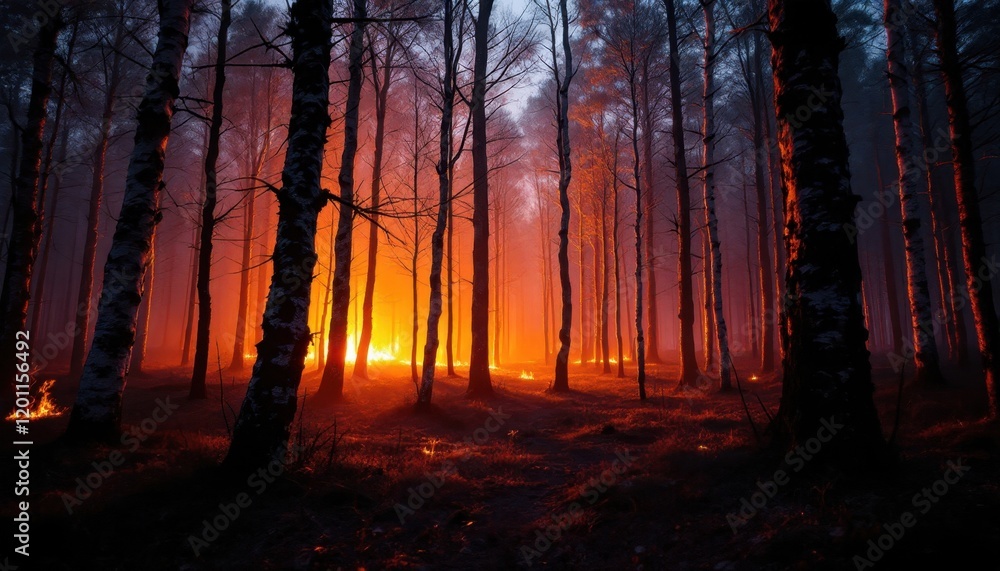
(640, 342)
(979, 270)
(443, 216)
(948, 279)
(260, 434)
(714, 263)
(928, 370)
(203, 337)
(827, 373)
(97, 411)
(331, 388)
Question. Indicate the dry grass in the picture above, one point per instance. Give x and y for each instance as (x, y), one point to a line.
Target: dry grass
(695, 458)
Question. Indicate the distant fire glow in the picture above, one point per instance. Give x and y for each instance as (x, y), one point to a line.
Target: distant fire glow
(527, 375)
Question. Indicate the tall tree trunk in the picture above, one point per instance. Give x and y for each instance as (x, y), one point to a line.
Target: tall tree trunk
(97, 411)
(192, 294)
(707, 318)
(416, 236)
(763, 187)
(332, 386)
(543, 243)
(928, 370)
(497, 280)
(582, 267)
(827, 373)
(640, 345)
(618, 281)
(977, 266)
(479, 361)
(257, 158)
(26, 229)
(202, 339)
(450, 332)
(193, 274)
(381, 104)
(750, 321)
(46, 251)
(954, 317)
(55, 132)
(242, 307)
(327, 294)
(713, 263)
(563, 78)
(261, 431)
(889, 272)
(685, 298)
(605, 343)
(652, 311)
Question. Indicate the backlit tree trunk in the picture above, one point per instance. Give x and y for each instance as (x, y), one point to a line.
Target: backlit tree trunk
(928, 371)
(203, 336)
(978, 271)
(685, 299)
(563, 75)
(26, 230)
(827, 373)
(479, 360)
(332, 386)
(763, 187)
(256, 158)
(954, 316)
(381, 86)
(618, 281)
(261, 431)
(97, 411)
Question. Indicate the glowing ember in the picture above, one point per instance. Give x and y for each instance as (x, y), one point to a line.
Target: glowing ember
(43, 405)
(528, 375)
(753, 377)
(430, 451)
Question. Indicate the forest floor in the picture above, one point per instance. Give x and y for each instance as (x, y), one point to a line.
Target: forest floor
(615, 482)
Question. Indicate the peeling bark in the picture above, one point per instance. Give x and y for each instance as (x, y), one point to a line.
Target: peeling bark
(97, 411)
(261, 431)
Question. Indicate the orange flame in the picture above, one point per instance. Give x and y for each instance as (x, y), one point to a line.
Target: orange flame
(527, 375)
(43, 405)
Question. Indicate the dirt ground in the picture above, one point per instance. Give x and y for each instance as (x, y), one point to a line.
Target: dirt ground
(594, 479)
